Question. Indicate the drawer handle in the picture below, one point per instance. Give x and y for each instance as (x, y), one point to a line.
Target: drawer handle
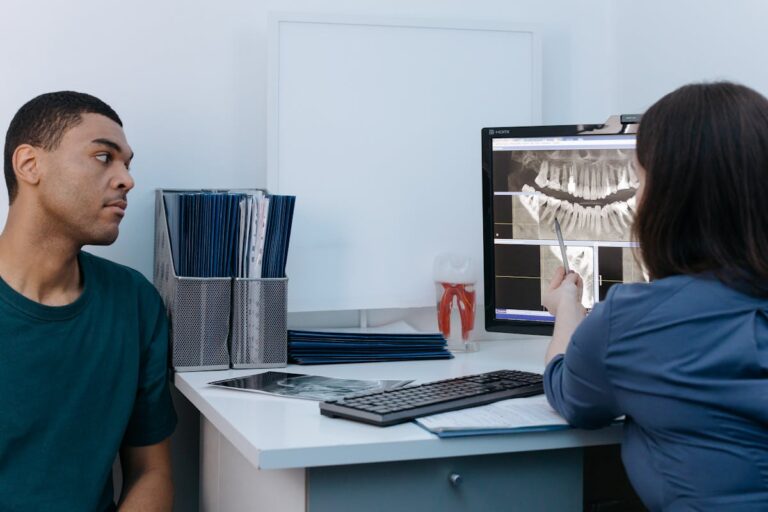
(455, 479)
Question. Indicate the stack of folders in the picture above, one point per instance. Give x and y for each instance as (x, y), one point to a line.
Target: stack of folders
(278, 234)
(229, 234)
(321, 347)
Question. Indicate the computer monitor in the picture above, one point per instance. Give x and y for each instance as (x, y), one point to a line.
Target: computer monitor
(584, 176)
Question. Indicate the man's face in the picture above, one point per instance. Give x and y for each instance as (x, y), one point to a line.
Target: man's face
(84, 181)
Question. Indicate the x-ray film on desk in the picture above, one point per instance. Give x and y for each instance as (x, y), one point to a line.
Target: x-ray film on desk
(587, 183)
(308, 387)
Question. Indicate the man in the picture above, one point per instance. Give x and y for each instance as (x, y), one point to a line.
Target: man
(83, 341)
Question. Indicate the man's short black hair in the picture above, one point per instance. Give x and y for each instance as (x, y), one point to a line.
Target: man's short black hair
(43, 121)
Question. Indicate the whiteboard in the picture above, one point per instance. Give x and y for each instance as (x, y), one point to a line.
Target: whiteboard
(375, 126)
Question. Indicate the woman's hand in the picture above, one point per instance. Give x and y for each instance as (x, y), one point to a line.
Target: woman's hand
(563, 301)
(564, 289)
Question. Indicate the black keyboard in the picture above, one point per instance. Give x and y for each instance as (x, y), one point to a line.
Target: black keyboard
(384, 408)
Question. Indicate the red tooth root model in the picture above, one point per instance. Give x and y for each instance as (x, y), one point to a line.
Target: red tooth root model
(465, 301)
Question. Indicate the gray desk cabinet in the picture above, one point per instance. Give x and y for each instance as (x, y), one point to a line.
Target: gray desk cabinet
(545, 480)
(534, 481)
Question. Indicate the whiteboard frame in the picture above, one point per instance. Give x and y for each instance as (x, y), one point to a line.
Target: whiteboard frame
(278, 19)
(275, 19)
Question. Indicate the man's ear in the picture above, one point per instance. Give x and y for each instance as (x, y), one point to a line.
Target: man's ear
(26, 164)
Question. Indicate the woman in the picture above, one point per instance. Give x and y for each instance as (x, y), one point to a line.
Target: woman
(684, 357)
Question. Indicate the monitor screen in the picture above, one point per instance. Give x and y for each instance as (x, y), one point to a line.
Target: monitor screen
(579, 175)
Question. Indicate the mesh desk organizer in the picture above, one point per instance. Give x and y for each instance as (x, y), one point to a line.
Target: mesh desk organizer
(218, 323)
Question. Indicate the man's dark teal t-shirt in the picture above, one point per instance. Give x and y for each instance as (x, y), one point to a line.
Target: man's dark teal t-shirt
(77, 382)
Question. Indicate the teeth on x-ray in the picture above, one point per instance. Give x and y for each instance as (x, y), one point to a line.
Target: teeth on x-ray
(588, 179)
(612, 217)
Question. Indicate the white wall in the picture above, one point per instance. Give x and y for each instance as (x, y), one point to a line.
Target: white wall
(183, 78)
(188, 78)
(661, 45)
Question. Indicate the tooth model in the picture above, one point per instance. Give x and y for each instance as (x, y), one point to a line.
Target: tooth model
(456, 275)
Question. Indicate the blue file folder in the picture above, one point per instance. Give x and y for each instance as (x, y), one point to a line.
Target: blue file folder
(322, 347)
(207, 230)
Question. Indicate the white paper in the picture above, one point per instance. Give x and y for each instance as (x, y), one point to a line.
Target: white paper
(241, 238)
(514, 413)
(260, 236)
(253, 243)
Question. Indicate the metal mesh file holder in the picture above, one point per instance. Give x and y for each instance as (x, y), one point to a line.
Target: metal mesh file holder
(200, 309)
(259, 320)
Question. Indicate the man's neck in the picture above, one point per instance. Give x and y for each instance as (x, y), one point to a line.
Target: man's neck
(39, 265)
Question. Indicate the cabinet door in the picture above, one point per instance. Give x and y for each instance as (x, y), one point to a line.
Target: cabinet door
(531, 481)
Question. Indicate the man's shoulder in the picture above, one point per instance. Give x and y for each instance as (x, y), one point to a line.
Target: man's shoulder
(115, 277)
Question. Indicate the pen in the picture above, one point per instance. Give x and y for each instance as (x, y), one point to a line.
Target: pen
(562, 246)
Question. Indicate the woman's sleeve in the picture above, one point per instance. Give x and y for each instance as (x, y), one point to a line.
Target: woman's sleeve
(577, 384)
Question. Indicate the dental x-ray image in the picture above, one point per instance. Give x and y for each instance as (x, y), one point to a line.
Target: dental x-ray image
(591, 192)
(580, 260)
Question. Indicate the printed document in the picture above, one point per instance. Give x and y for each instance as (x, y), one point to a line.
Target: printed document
(514, 414)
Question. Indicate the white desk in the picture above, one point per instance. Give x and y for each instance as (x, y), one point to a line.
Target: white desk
(260, 452)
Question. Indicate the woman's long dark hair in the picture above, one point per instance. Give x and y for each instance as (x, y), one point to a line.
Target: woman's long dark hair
(704, 207)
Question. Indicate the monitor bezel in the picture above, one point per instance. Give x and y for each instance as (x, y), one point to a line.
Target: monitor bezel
(492, 324)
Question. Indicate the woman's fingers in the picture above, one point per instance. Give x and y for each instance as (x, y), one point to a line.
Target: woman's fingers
(573, 277)
(577, 281)
(557, 279)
